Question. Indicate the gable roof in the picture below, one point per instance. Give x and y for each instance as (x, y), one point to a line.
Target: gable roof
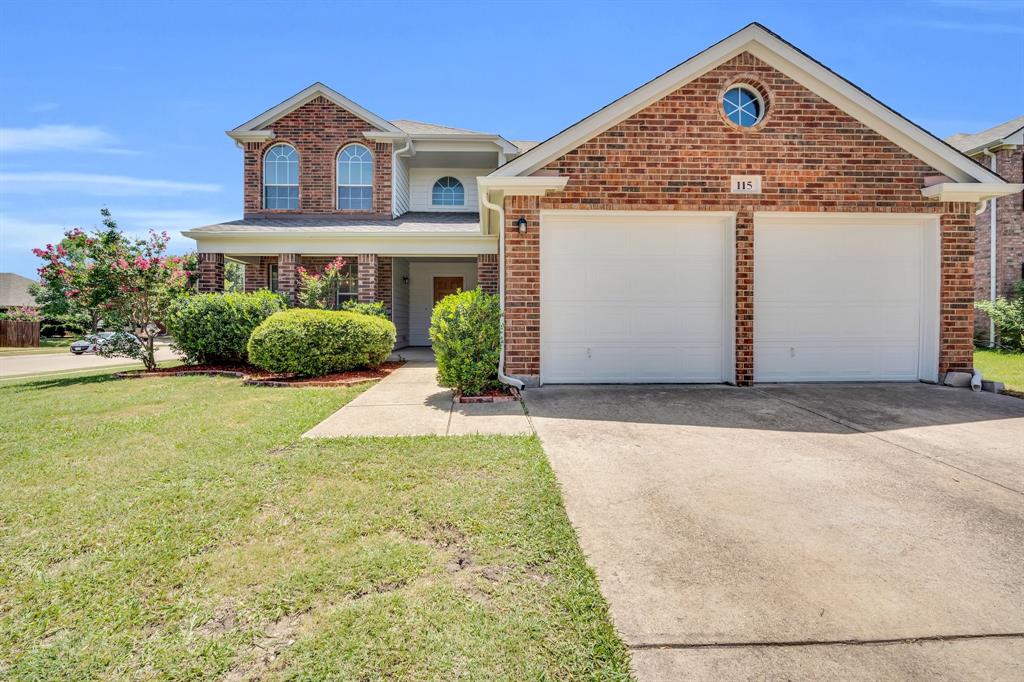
(14, 290)
(781, 55)
(252, 129)
(972, 142)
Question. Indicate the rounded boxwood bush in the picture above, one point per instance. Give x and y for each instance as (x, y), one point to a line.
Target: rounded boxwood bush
(466, 332)
(212, 328)
(315, 342)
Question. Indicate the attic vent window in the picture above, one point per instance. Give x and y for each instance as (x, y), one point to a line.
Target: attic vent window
(743, 105)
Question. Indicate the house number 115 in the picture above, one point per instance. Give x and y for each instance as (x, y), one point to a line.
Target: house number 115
(745, 184)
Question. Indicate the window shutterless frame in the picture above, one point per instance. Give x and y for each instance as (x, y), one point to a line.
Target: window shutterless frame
(355, 178)
(281, 178)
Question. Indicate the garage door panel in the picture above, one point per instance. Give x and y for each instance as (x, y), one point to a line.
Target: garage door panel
(838, 300)
(780, 321)
(635, 300)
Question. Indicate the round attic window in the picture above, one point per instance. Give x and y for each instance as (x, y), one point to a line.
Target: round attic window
(743, 105)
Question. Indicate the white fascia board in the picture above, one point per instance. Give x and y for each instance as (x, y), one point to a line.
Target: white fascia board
(453, 142)
(970, 191)
(252, 135)
(529, 185)
(301, 98)
(769, 48)
(312, 244)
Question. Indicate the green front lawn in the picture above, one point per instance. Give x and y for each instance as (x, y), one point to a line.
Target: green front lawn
(179, 528)
(1005, 367)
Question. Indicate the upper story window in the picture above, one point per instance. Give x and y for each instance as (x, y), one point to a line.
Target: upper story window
(448, 192)
(355, 178)
(281, 177)
(743, 106)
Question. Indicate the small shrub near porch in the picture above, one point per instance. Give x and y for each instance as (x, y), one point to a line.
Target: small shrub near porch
(215, 328)
(317, 342)
(465, 329)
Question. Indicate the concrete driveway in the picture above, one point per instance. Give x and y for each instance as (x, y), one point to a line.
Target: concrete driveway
(799, 531)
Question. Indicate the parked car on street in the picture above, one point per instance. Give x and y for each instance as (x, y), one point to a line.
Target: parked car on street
(92, 342)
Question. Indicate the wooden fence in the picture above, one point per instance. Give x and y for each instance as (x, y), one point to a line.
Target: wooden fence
(19, 334)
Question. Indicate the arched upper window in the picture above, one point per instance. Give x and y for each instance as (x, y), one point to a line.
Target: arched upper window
(448, 192)
(281, 177)
(355, 178)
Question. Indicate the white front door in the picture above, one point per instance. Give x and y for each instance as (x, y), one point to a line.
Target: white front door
(845, 297)
(636, 297)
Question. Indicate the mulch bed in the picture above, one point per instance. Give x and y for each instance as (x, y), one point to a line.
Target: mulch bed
(254, 376)
(494, 395)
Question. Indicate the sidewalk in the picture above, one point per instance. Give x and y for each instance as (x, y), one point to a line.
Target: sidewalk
(409, 402)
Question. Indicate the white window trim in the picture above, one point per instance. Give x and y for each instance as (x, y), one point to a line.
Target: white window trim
(337, 176)
(263, 173)
(461, 184)
(753, 93)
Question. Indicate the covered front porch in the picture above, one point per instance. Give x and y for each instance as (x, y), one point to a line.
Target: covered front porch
(406, 263)
(407, 286)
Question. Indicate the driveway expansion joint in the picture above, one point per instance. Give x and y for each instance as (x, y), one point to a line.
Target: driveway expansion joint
(826, 642)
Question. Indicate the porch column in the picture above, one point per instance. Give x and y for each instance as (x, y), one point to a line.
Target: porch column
(211, 272)
(287, 278)
(385, 268)
(956, 298)
(522, 289)
(487, 272)
(368, 265)
(744, 298)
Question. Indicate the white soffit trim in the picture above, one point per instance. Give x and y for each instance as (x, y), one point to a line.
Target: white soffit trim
(776, 52)
(530, 185)
(332, 244)
(301, 98)
(970, 191)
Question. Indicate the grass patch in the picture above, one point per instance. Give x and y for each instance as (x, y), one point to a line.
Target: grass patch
(179, 528)
(1006, 367)
(46, 345)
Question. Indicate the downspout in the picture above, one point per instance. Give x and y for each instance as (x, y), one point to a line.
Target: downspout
(992, 252)
(394, 170)
(502, 377)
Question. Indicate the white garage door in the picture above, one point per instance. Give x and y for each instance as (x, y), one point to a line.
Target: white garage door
(845, 298)
(635, 297)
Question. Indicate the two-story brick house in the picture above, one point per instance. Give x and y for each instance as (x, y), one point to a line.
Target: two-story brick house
(746, 216)
(1001, 222)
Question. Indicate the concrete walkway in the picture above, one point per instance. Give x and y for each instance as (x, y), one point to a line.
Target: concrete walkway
(409, 402)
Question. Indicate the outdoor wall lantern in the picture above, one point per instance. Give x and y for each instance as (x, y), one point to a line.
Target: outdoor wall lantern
(521, 224)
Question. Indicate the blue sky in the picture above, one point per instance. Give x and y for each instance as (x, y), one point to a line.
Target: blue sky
(125, 105)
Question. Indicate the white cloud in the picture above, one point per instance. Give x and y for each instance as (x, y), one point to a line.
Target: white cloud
(17, 234)
(974, 27)
(45, 138)
(98, 185)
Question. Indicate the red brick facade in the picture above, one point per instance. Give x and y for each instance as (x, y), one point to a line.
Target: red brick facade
(1009, 235)
(318, 130)
(211, 272)
(487, 272)
(678, 154)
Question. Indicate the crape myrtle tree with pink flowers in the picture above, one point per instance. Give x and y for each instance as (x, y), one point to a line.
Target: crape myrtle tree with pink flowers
(125, 283)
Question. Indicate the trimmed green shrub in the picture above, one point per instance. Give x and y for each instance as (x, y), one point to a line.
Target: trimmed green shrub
(1008, 316)
(376, 308)
(466, 332)
(315, 342)
(216, 327)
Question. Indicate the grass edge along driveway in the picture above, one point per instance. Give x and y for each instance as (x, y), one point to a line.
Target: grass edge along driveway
(178, 528)
(1005, 367)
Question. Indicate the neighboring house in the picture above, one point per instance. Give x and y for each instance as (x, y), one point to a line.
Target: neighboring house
(1002, 222)
(746, 216)
(14, 291)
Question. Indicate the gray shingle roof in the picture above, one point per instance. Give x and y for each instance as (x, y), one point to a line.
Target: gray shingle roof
(967, 142)
(14, 290)
(421, 128)
(525, 145)
(413, 222)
